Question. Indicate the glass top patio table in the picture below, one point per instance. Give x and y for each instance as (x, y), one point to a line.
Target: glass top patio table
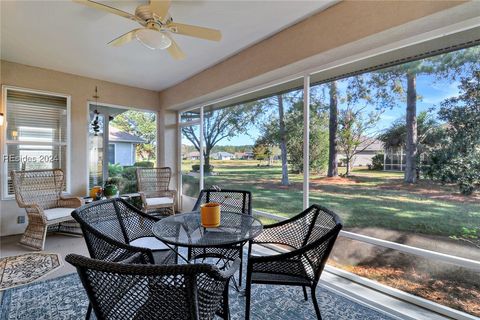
(185, 230)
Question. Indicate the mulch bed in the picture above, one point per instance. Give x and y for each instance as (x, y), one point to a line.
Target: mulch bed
(441, 290)
(432, 190)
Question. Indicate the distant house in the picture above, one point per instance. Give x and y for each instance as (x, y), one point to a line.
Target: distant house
(244, 155)
(238, 155)
(222, 156)
(364, 158)
(122, 147)
(394, 159)
(194, 155)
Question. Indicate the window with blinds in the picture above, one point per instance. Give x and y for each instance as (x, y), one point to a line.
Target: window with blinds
(36, 133)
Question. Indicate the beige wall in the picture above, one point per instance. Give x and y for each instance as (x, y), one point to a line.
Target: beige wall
(81, 90)
(341, 24)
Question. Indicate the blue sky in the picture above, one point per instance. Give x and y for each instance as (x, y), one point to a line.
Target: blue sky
(431, 91)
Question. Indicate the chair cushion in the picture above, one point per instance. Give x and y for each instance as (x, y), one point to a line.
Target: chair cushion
(159, 201)
(57, 213)
(151, 243)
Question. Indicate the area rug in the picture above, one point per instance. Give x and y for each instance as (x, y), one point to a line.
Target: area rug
(64, 298)
(26, 268)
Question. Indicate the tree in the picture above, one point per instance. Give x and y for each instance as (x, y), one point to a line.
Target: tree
(274, 130)
(457, 159)
(429, 133)
(353, 130)
(332, 129)
(357, 89)
(394, 80)
(282, 140)
(318, 145)
(262, 152)
(141, 124)
(294, 135)
(221, 124)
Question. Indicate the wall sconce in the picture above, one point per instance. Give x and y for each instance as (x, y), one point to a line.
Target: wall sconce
(1, 119)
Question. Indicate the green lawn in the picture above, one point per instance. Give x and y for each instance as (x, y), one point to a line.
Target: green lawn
(362, 203)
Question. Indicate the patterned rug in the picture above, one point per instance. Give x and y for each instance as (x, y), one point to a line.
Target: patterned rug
(26, 268)
(64, 298)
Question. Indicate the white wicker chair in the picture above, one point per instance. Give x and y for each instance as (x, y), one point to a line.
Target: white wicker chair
(40, 193)
(153, 187)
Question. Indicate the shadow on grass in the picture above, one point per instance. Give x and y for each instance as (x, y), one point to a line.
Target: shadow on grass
(362, 204)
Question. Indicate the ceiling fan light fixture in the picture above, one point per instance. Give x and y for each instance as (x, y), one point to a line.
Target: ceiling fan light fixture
(153, 39)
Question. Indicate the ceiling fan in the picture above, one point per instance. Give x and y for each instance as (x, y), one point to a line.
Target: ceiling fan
(157, 27)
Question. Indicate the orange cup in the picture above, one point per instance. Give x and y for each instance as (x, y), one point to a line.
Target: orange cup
(210, 214)
(95, 191)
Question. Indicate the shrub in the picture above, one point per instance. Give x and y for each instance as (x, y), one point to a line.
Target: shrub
(457, 157)
(190, 186)
(114, 169)
(196, 168)
(377, 162)
(144, 164)
(114, 180)
(125, 178)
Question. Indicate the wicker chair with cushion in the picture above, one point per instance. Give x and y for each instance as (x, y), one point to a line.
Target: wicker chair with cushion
(135, 291)
(153, 186)
(310, 236)
(237, 201)
(114, 230)
(40, 193)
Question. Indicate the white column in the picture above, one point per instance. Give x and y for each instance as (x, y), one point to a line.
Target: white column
(202, 161)
(401, 158)
(106, 137)
(179, 163)
(306, 140)
(385, 159)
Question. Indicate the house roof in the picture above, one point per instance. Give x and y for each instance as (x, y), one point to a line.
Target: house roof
(193, 154)
(116, 135)
(372, 145)
(223, 154)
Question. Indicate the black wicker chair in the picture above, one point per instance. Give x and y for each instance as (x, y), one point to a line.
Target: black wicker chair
(136, 291)
(237, 201)
(310, 236)
(114, 230)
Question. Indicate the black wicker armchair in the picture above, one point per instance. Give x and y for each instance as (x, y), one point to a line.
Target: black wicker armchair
(114, 230)
(237, 201)
(310, 236)
(136, 291)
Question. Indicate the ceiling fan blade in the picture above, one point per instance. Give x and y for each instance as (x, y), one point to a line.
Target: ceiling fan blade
(174, 50)
(124, 38)
(103, 7)
(160, 8)
(194, 31)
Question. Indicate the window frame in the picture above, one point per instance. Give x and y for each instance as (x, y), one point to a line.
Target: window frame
(449, 258)
(110, 144)
(5, 142)
(101, 103)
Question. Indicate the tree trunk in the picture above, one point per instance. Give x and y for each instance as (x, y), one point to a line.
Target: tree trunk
(411, 121)
(348, 160)
(283, 141)
(332, 130)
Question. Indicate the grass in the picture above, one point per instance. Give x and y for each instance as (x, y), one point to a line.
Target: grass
(361, 203)
(364, 202)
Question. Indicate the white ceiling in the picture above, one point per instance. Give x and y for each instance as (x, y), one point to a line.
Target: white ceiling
(69, 37)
